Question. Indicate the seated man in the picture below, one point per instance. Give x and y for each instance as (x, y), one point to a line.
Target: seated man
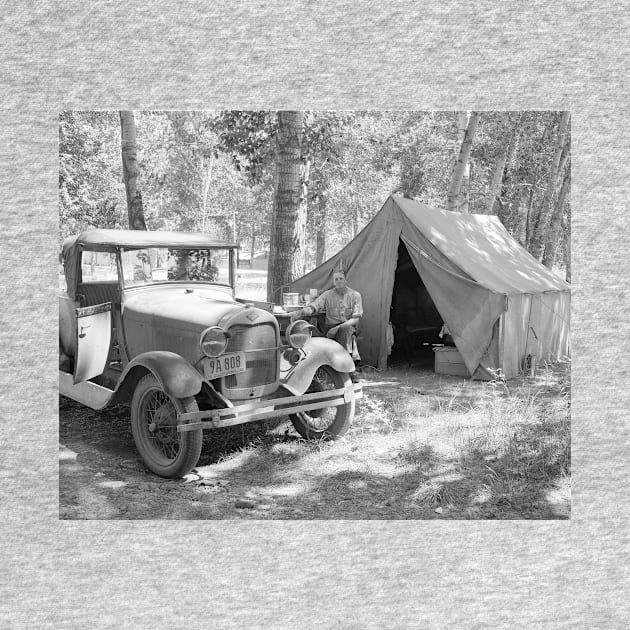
(343, 309)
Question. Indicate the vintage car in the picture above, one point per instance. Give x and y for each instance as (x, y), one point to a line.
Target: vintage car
(150, 318)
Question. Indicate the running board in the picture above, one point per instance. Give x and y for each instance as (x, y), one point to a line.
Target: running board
(89, 394)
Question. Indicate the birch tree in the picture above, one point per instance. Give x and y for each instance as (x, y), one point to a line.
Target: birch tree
(544, 216)
(505, 157)
(567, 249)
(459, 170)
(462, 202)
(525, 202)
(320, 234)
(553, 233)
(129, 150)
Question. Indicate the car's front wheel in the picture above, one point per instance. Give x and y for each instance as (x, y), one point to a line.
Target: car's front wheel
(154, 425)
(329, 422)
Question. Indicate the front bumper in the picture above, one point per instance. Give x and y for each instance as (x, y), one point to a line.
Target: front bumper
(259, 410)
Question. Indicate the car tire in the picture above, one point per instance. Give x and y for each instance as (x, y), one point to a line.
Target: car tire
(166, 452)
(329, 422)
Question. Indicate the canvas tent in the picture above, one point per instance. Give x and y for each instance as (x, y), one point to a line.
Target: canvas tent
(498, 302)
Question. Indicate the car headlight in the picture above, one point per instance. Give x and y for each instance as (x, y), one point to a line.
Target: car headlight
(213, 341)
(298, 333)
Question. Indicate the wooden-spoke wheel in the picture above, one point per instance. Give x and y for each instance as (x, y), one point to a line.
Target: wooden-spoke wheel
(154, 425)
(328, 422)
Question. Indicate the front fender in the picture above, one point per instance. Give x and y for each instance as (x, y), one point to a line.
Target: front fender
(319, 351)
(175, 375)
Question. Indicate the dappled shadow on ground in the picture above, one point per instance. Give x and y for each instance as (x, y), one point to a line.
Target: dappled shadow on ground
(109, 432)
(422, 485)
(101, 474)
(99, 466)
(220, 444)
(421, 447)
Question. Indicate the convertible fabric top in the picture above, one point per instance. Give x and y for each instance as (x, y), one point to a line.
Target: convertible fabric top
(499, 303)
(110, 240)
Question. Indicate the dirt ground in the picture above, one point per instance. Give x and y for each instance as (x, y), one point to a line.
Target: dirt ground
(422, 446)
(101, 475)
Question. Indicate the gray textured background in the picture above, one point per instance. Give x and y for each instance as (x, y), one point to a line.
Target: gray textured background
(355, 574)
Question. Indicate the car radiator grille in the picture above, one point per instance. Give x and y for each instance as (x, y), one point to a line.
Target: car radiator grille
(261, 364)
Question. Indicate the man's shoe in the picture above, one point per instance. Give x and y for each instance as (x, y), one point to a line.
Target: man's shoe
(354, 377)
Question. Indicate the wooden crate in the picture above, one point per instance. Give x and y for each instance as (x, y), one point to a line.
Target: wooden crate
(449, 361)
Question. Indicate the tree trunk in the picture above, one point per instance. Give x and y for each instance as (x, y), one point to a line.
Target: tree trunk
(288, 225)
(538, 239)
(564, 158)
(462, 201)
(299, 259)
(497, 180)
(462, 125)
(207, 180)
(534, 210)
(251, 255)
(354, 212)
(505, 157)
(135, 208)
(551, 244)
(567, 250)
(520, 229)
(459, 170)
(529, 220)
(320, 250)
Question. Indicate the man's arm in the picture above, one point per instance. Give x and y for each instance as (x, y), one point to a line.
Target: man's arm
(353, 321)
(307, 311)
(314, 307)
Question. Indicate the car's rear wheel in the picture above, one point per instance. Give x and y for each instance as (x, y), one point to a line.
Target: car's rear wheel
(154, 425)
(329, 422)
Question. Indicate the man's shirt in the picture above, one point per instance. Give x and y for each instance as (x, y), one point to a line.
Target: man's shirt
(338, 308)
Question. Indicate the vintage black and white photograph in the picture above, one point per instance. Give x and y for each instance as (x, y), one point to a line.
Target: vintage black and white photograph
(322, 314)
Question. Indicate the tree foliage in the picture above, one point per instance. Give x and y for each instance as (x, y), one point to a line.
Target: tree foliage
(214, 171)
(91, 192)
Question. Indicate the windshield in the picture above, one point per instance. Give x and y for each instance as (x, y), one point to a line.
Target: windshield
(161, 264)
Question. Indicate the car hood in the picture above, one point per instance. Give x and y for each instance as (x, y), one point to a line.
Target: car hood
(172, 317)
(186, 306)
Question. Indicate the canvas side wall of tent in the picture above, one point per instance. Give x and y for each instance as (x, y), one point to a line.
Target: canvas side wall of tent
(498, 302)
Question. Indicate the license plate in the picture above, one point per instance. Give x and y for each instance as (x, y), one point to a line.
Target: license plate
(226, 364)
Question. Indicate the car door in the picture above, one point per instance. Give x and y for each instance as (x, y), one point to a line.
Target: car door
(94, 329)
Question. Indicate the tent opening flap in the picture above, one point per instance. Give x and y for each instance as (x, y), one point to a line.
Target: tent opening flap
(414, 318)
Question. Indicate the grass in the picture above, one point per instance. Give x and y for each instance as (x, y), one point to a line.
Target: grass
(422, 446)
